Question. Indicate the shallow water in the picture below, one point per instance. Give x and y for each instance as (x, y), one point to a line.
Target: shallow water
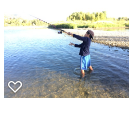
(45, 64)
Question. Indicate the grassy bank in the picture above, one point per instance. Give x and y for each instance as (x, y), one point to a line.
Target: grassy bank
(64, 25)
(89, 24)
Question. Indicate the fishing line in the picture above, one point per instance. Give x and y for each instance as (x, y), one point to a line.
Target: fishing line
(59, 32)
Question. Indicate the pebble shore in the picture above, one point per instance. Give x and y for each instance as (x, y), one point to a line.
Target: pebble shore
(111, 38)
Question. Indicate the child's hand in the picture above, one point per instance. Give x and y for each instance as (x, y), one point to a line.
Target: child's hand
(71, 44)
(69, 33)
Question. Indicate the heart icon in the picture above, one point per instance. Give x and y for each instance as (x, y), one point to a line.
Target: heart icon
(18, 82)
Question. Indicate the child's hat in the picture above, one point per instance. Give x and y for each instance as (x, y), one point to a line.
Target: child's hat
(90, 32)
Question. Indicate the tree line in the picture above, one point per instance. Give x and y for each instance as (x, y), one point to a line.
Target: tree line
(23, 22)
(83, 17)
(95, 16)
(87, 16)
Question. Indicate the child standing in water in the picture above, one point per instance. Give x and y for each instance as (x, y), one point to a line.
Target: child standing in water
(85, 60)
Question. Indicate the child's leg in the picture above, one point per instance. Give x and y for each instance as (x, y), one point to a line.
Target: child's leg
(90, 67)
(89, 63)
(82, 72)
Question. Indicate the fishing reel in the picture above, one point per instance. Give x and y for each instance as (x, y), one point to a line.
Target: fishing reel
(60, 32)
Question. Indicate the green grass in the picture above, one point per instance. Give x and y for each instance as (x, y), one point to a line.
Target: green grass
(89, 24)
(65, 26)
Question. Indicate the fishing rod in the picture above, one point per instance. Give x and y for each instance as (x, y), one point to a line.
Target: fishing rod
(59, 32)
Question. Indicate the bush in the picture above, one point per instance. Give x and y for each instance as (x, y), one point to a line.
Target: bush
(72, 26)
(82, 24)
(65, 26)
(126, 24)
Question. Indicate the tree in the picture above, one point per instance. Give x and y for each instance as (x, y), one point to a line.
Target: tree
(33, 22)
(97, 16)
(101, 15)
(83, 16)
(93, 17)
(105, 15)
(74, 19)
(80, 17)
(87, 16)
(68, 19)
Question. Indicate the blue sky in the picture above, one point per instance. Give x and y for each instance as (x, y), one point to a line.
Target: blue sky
(57, 10)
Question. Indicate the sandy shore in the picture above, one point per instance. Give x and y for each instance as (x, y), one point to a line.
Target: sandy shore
(111, 38)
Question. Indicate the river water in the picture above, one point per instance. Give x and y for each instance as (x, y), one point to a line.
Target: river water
(48, 67)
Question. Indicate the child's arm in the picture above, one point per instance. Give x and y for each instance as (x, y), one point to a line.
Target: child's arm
(76, 45)
(78, 37)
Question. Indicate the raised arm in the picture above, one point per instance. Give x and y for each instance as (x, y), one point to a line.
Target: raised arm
(78, 37)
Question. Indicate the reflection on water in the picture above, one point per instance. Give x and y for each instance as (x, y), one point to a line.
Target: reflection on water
(44, 62)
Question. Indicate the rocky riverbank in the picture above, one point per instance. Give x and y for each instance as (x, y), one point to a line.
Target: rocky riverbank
(111, 38)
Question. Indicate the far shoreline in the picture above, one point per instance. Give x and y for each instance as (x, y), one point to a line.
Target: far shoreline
(106, 28)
